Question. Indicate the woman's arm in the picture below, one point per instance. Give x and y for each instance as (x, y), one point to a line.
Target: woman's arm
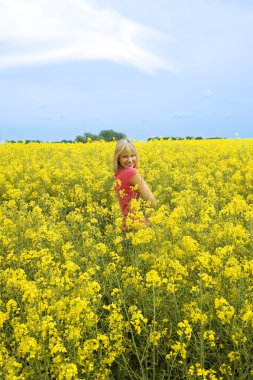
(143, 189)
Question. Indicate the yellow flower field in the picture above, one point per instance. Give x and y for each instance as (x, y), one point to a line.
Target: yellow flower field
(170, 301)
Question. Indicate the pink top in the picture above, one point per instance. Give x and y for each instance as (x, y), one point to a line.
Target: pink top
(124, 188)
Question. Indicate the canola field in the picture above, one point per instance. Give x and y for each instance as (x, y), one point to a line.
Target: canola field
(169, 301)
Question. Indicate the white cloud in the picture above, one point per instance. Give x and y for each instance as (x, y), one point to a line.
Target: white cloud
(229, 115)
(45, 31)
(246, 100)
(207, 92)
(184, 114)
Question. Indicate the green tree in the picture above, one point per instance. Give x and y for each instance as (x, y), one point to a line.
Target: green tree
(80, 138)
(88, 135)
(110, 135)
(106, 135)
(84, 138)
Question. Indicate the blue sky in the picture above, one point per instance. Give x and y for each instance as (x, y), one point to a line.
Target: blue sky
(145, 68)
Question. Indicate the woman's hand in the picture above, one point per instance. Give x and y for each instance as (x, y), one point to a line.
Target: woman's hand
(143, 189)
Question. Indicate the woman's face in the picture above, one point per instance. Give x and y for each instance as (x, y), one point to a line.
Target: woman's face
(127, 159)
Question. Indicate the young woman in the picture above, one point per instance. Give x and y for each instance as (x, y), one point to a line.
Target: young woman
(129, 184)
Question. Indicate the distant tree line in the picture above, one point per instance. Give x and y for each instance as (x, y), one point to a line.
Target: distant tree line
(110, 135)
(185, 138)
(36, 141)
(106, 135)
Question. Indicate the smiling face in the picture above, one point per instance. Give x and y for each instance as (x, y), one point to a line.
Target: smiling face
(127, 159)
(125, 155)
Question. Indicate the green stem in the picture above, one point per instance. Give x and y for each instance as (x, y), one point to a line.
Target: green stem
(154, 320)
(132, 335)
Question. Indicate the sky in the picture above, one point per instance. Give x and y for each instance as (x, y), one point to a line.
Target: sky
(142, 67)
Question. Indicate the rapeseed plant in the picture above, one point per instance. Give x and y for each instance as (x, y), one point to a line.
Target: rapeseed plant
(82, 300)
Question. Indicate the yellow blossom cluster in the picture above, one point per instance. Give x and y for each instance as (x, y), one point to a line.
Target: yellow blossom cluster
(80, 299)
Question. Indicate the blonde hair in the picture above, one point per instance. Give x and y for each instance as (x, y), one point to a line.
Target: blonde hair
(122, 146)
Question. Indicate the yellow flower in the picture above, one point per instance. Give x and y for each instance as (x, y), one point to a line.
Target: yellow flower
(225, 369)
(136, 318)
(153, 279)
(178, 348)
(29, 347)
(209, 336)
(195, 314)
(247, 317)
(234, 356)
(3, 317)
(185, 329)
(67, 371)
(224, 310)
